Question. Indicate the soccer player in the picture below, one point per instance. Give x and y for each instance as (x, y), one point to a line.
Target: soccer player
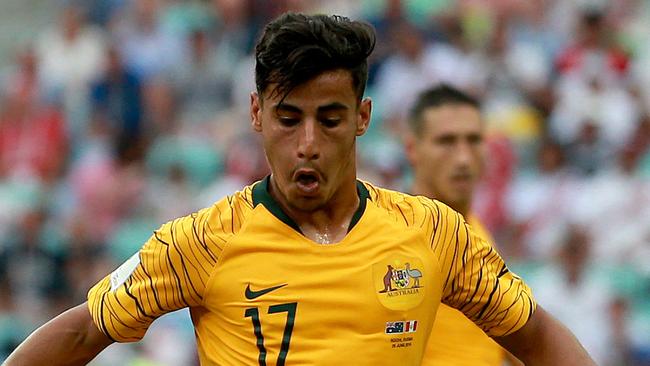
(446, 150)
(292, 269)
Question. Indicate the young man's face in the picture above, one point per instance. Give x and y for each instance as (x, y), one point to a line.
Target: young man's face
(309, 137)
(448, 154)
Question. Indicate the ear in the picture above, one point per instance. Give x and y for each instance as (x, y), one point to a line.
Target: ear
(256, 112)
(410, 147)
(363, 118)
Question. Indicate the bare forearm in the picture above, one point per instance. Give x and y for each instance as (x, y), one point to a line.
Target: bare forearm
(545, 341)
(68, 339)
(511, 360)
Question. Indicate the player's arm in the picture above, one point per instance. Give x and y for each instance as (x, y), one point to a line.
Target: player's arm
(69, 339)
(168, 273)
(545, 341)
(510, 359)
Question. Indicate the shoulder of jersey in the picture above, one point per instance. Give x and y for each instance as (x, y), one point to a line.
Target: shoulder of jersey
(227, 216)
(405, 208)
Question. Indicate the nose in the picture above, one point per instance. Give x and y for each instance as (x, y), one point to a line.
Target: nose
(463, 154)
(308, 141)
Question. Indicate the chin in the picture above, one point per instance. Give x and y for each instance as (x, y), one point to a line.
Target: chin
(307, 204)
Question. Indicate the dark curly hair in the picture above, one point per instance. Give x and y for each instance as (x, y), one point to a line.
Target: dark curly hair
(295, 48)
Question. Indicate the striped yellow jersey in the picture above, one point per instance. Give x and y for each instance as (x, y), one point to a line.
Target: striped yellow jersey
(261, 293)
(456, 340)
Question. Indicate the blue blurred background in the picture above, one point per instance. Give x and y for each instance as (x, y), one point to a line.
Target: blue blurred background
(118, 115)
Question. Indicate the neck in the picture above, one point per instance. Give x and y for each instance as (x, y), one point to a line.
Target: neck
(327, 224)
(422, 189)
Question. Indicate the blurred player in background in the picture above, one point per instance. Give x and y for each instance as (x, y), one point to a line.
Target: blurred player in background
(446, 150)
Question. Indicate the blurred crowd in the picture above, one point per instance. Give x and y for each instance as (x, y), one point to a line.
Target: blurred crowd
(127, 113)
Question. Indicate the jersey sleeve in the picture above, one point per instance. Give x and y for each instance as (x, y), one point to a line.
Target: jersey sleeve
(169, 272)
(476, 280)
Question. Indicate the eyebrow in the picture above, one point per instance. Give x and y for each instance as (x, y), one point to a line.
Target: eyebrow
(334, 106)
(287, 108)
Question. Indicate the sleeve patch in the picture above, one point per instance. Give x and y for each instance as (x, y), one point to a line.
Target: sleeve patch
(123, 272)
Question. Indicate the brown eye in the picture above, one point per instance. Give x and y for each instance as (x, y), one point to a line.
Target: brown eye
(330, 122)
(446, 140)
(475, 139)
(289, 121)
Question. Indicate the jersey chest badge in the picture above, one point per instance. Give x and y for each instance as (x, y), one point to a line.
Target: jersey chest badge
(399, 282)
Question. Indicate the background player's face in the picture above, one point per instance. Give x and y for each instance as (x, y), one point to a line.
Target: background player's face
(309, 137)
(448, 155)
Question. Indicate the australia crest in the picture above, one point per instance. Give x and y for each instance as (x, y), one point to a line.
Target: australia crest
(399, 282)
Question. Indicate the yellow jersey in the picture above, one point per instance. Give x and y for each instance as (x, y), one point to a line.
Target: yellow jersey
(261, 293)
(456, 340)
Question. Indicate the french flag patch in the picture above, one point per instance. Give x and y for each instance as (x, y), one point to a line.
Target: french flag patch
(410, 326)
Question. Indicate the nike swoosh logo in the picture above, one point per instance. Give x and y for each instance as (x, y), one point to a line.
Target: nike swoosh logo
(250, 294)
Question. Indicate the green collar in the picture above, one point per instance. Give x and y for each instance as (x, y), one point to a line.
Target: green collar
(261, 195)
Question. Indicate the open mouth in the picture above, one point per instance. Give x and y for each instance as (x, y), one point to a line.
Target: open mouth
(307, 181)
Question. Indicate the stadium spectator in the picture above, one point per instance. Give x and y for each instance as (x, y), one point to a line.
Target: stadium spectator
(203, 80)
(69, 58)
(116, 100)
(147, 47)
(572, 293)
(540, 203)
